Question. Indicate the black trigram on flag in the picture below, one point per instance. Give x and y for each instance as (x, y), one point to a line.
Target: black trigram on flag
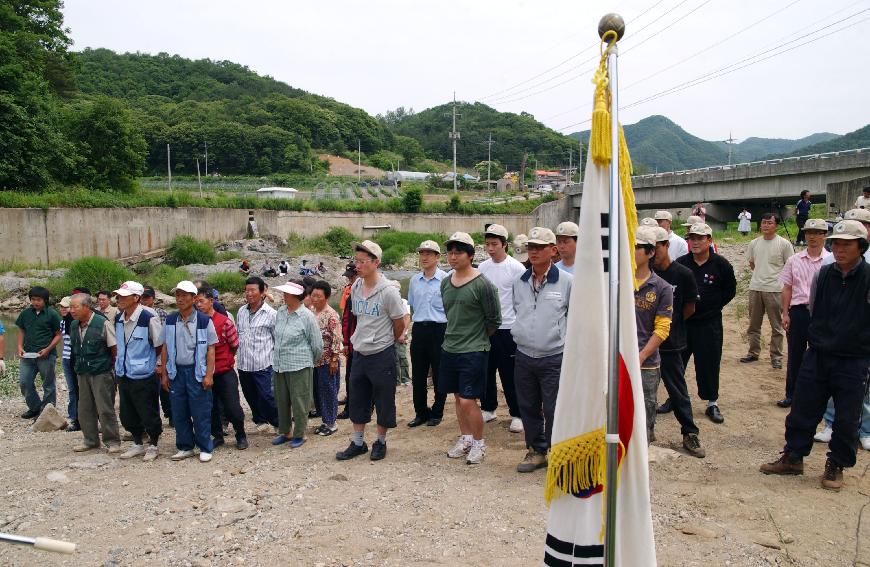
(605, 241)
(560, 553)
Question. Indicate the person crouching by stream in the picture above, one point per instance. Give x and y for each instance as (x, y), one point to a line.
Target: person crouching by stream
(298, 344)
(189, 340)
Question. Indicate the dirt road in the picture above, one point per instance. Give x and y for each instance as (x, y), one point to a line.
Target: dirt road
(271, 506)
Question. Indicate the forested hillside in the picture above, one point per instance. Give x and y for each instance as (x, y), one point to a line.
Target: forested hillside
(858, 139)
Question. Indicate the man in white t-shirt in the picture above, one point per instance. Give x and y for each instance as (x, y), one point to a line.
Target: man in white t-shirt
(863, 202)
(502, 270)
(677, 246)
(767, 255)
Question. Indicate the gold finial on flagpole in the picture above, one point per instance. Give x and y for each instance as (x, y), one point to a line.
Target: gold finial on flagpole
(611, 22)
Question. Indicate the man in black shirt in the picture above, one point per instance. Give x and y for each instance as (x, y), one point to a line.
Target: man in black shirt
(836, 362)
(716, 288)
(672, 369)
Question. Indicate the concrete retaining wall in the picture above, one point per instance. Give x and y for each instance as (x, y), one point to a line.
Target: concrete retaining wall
(843, 195)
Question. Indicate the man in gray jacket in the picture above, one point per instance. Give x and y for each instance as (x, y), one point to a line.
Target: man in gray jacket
(540, 299)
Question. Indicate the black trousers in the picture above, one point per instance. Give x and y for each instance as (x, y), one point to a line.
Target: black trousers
(797, 337)
(426, 343)
(704, 341)
(674, 376)
(502, 350)
(824, 376)
(801, 221)
(225, 401)
(139, 410)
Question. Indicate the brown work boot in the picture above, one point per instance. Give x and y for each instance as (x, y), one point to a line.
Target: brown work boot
(532, 462)
(786, 464)
(832, 479)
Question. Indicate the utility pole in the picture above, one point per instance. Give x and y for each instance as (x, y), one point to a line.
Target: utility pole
(523, 170)
(358, 161)
(570, 167)
(489, 144)
(730, 141)
(168, 168)
(206, 159)
(454, 135)
(198, 180)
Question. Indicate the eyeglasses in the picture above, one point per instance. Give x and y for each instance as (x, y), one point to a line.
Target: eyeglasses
(363, 262)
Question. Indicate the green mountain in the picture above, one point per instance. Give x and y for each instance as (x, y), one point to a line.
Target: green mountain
(512, 134)
(858, 139)
(752, 149)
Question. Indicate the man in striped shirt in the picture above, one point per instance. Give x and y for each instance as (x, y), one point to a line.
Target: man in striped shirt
(796, 278)
(256, 326)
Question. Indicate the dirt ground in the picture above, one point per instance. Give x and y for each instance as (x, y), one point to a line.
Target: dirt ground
(344, 167)
(268, 506)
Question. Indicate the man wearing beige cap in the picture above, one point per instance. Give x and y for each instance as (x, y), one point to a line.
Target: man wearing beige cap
(649, 222)
(502, 270)
(521, 252)
(137, 332)
(837, 361)
(678, 246)
(429, 323)
(380, 322)
(473, 315)
(540, 298)
(717, 286)
(566, 243)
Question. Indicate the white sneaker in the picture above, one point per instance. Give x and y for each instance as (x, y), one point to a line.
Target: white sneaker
(181, 455)
(133, 451)
(204, 457)
(476, 454)
(264, 428)
(516, 425)
(488, 416)
(150, 453)
(865, 443)
(460, 449)
(824, 436)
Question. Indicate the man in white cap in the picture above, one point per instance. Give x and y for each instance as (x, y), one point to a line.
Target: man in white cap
(521, 252)
(540, 298)
(836, 362)
(717, 286)
(189, 339)
(678, 246)
(473, 315)
(430, 322)
(796, 278)
(137, 333)
(566, 243)
(502, 270)
(380, 322)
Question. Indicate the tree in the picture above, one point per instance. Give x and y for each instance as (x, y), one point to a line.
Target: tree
(412, 200)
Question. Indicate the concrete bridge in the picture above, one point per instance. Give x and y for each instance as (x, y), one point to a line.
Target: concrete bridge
(760, 185)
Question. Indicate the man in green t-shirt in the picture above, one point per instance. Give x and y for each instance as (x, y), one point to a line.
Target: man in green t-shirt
(473, 315)
(39, 333)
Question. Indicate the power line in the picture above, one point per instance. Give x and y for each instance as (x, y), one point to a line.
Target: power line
(680, 19)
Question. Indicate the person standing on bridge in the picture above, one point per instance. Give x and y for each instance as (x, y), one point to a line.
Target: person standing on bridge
(717, 286)
(767, 255)
(677, 245)
(802, 213)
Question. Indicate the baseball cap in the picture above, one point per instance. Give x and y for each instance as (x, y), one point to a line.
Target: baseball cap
(462, 237)
(701, 228)
(185, 286)
(541, 235)
(816, 224)
(862, 215)
(663, 215)
(496, 230)
(370, 247)
(567, 228)
(131, 288)
(693, 219)
(349, 270)
(429, 245)
(660, 234)
(292, 288)
(849, 230)
(65, 302)
(521, 248)
(648, 221)
(645, 236)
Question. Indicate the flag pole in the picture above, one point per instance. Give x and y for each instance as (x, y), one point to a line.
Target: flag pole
(615, 23)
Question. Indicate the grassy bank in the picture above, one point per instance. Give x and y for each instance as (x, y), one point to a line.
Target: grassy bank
(337, 242)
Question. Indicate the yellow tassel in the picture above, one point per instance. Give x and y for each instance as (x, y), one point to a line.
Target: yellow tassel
(576, 464)
(625, 171)
(599, 136)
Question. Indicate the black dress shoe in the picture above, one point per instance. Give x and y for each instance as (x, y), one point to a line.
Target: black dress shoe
(784, 403)
(242, 443)
(665, 407)
(714, 414)
(30, 414)
(749, 358)
(74, 426)
(433, 421)
(416, 422)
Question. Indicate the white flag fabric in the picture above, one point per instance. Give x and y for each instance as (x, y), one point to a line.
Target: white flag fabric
(576, 475)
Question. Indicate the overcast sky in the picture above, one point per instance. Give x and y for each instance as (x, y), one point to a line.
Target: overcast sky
(382, 54)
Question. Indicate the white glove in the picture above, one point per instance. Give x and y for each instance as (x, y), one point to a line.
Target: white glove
(2, 366)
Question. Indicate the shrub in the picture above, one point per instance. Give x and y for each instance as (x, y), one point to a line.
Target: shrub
(227, 282)
(393, 255)
(397, 245)
(188, 250)
(412, 200)
(166, 277)
(228, 255)
(454, 204)
(9, 380)
(91, 272)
